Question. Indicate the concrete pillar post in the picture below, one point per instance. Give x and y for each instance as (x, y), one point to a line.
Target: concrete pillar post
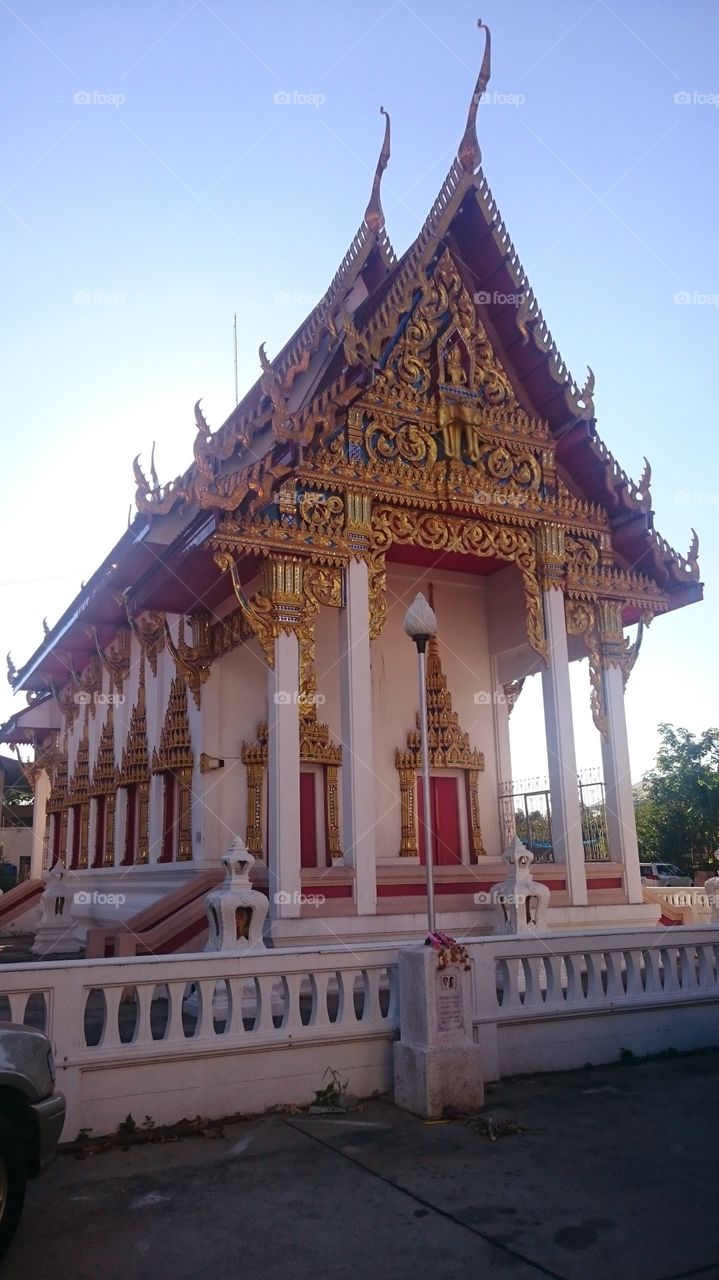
(283, 778)
(561, 755)
(358, 780)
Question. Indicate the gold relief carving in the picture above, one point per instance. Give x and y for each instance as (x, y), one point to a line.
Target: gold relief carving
(257, 613)
(108, 859)
(551, 554)
(334, 845)
(615, 648)
(582, 553)
(408, 835)
(58, 789)
(175, 748)
(104, 775)
(66, 700)
(355, 432)
(135, 767)
(321, 510)
(79, 794)
(511, 691)
(229, 632)
(476, 843)
(104, 783)
(255, 790)
(285, 425)
(358, 513)
(470, 537)
(79, 787)
(193, 661)
(323, 585)
(449, 748)
(408, 442)
(287, 499)
(90, 684)
(377, 593)
(581, 620)
(149, 629)
(174, 756)
(115, 658)
(283, 588)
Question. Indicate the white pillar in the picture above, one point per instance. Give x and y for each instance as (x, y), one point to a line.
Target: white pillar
(358, 779)
(618, 797)
(503, 755)
(283, 778)
(501, 726)
(561, 755)
(41, 795)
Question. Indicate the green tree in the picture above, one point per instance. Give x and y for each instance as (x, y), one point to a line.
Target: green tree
(677, 803)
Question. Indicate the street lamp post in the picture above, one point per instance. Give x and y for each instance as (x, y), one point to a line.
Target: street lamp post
(420, 625)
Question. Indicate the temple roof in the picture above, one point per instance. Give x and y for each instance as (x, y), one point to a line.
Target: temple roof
(367, 292)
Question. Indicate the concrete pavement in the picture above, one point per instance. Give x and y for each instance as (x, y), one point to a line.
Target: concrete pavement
(599, 1173)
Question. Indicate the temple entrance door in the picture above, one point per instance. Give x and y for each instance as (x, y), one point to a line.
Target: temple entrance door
(308, 820)
(444, 808)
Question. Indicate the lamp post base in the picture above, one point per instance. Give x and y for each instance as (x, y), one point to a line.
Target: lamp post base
(436, 1062)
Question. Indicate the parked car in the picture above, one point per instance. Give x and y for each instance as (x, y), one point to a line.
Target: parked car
(663, 873)
(32, 1114)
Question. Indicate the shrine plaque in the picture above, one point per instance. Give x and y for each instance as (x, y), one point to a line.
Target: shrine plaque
(449, 1002)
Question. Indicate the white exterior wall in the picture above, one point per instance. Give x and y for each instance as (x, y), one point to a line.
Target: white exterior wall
(234, 702)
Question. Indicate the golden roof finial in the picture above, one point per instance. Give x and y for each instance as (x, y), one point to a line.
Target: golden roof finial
(374, 215)
(469, 154)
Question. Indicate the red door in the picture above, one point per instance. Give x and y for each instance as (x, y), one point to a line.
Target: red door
(308, 821)
(444, 810)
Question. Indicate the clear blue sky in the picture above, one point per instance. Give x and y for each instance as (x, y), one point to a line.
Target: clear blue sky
(135, 224)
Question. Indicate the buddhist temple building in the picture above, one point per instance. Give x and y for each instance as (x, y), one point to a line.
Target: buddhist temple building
(238, 664)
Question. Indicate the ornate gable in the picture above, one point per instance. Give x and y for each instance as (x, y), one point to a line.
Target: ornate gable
(135, 762)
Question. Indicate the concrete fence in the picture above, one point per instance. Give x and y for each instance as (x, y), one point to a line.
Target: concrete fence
(557, 1001)
(173, 1037)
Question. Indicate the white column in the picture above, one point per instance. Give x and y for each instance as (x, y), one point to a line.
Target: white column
(503, 754)
(41, 796)
(283, 778)
(358, 779)
(619, 801)
(561, 755)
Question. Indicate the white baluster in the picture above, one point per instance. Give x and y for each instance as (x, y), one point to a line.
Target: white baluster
(615, 984)
(292, 1020)
(143, 1029)
(320, 1016)
(633, 961)
(110, 1037)
(175, 996)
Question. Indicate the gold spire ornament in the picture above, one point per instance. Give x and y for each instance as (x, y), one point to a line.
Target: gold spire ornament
(469, 153)
(374, 214)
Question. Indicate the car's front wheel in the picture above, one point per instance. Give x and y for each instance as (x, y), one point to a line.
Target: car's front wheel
(13, 1178)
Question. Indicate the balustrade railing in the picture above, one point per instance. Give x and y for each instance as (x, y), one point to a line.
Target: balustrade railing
(526, 810)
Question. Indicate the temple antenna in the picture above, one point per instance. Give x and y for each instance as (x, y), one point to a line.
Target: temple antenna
(468, 153)
(234, 339)
(374, 215)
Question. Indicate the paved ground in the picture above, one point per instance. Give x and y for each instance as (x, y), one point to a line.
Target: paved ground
(614, 1176)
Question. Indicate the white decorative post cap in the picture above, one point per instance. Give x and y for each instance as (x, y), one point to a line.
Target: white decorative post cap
(518, 855)
(238, 861)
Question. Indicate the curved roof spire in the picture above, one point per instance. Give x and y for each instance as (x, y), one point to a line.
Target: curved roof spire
(374, 215)
(468, 153)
